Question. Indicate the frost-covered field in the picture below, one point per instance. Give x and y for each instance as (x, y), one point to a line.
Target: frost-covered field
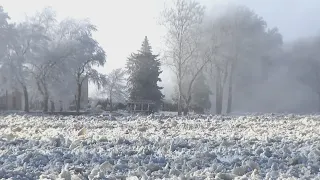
(212, 147)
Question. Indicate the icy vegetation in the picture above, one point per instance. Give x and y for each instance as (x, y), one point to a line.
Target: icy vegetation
(197, 147)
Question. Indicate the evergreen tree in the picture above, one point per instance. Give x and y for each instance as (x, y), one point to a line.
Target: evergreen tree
(144, 70)
(201, 95)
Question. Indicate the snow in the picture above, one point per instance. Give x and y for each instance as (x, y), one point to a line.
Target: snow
(159, 147)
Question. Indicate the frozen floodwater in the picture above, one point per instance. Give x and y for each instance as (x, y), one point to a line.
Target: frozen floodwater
(197, 147)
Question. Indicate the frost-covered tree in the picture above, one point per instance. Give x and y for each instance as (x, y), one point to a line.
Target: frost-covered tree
(64, 58)
(86, 55)
(15, 65)
(115, 87)
(183, 21)
(243, 28)
(215, 37)
(143, 69)
(245, 42)
(92, 55)
(48, 55)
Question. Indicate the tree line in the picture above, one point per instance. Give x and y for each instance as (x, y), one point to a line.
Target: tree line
(53, 59)
(226, 62)
(245, 65)
(48, 59)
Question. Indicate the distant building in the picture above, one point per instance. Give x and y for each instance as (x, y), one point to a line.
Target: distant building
(15, 100)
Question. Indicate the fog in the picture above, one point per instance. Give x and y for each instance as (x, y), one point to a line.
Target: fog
(271, 67)
(288, 81)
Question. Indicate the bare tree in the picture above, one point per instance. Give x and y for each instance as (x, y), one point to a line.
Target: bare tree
(183, 23)
(240, 33)
(217, 68)
(115, 87)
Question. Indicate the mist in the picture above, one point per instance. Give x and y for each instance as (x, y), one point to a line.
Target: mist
(283, 82)
(278, 78)
(266, 52)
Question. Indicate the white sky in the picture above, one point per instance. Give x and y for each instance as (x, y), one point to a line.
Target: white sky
(123, 24)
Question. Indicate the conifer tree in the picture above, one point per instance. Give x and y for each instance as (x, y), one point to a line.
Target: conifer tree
(143, 69)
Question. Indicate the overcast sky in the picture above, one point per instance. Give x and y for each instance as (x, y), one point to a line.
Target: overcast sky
(122, 24)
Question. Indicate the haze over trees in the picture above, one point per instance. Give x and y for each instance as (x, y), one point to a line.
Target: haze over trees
(231, 61)
(50, 58)
(231, 49)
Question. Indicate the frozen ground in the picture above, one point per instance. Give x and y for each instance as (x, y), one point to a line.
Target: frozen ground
(211, 147)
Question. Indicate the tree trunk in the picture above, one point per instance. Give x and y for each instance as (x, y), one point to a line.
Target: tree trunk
(219, 93)
(26, 99)
(180, 90)
(229, 107)
(179, 105)
(78, 99)
(186, 108)
(52, 106)
(180, 100)
(45, 102)
(219, 102)
(43, 89)
(111, 106)
(185, 111)
(61, 108)
(7, 108)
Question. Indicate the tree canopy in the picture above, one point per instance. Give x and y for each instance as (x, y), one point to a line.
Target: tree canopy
(50, 57)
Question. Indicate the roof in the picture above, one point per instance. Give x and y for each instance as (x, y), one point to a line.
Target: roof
(141, 102)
